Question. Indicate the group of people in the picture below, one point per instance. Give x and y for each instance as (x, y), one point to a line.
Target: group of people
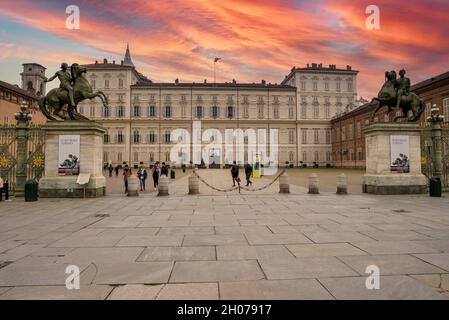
(142, 174)
(235, 173)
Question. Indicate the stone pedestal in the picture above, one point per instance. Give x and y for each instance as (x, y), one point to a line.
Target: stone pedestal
(379, 177)
(56, 185)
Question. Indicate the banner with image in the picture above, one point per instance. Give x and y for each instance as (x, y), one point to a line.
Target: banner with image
(69, 155)
(400, 154)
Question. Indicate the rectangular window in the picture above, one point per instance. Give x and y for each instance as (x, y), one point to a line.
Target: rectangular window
(167, 137)
(328, 136)
(120, 83)
(291, 113)
(260, 112)
(199, 111)
(245, 111)
(92, 84)
(446, 109)
(349, 86)
(428, 109)
(136, 111)
(303, 85)
(304, 136)
(120, 137)
(215, 112)
(120, 112)
(106, 84)
(136, 137)
(168, 111)
(338, 86)
(315, 86)
(119, 157)
(303, 112)
(326, 86)
(316, 136)
(105, 112)
(106, 138)
(92, 111)
(316, 112)
(276, 112)
(230, 112)
(135, 156)
(152, 111)
(291, 136)
(152, 138)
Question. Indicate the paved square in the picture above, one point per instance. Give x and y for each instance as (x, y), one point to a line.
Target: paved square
(253, 245)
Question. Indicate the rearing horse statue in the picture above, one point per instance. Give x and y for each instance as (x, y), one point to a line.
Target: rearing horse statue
(58, 97)
(388, 96)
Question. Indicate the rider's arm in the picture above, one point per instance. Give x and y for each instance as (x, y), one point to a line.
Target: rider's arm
(52, 78)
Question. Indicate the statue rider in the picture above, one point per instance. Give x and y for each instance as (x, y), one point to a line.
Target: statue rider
(66, 81)
(403, 87)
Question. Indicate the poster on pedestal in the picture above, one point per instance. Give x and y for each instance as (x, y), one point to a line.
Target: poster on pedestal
(69, 155)
(400, 154)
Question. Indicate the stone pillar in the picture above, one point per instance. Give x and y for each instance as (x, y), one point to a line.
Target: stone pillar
(56, 185)
(313, 184)
(133, 186)
(379, 177)
(284, 186)
(342, 184)
(194, 186)
(23, 118)
(163, 186)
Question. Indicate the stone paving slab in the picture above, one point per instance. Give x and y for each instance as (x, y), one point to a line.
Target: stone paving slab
(324, 249)
(274, 290)
(440, 260)
(135, 292)
(391, 287)
(210, 271)
(189, 291)
(252, 252)
(56, 293)
(178, 253)
(393, 247)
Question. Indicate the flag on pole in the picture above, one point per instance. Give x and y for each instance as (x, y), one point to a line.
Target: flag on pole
(216, 59)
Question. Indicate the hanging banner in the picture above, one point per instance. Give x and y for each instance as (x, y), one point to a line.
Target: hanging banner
(69, 155)
(400, 153)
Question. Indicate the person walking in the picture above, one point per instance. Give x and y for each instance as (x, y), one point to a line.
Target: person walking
(116, 170)
(110, 168)
(234, 172)
(164, 170)
(143, 175)
(126, 174)
(1, 188)
(248, 173)
(155, 175)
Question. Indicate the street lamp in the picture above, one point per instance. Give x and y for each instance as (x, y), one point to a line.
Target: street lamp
(435, 119)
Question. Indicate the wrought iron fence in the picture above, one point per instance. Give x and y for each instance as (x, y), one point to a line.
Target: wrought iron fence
(427, 154)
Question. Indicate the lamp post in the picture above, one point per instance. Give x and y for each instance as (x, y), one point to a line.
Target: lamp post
(435, 120)
(23, 118)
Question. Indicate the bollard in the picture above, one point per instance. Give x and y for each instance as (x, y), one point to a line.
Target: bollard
(284, 186)
(163, 186)
(342, 184)
(133, 186)
(313, 184)
(194, 186)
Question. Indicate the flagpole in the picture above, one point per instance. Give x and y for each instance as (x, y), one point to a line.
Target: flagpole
(215, 62)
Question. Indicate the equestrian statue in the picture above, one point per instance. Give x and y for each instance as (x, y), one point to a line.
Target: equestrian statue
(73, 89)
(395, 94)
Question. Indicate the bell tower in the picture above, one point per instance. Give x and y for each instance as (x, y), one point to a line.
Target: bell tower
(33, 77)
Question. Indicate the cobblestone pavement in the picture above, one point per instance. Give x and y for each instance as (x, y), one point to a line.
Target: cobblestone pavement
(253, 245)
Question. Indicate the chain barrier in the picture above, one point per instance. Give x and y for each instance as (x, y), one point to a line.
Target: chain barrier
(239, 187)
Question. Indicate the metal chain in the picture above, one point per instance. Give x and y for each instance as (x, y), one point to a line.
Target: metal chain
(241, 187)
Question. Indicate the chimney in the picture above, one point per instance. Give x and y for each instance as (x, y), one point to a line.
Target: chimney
(320, 66)
(176, 81)
(96, 61)
(113, 61)
(308, 66)
(205, 80)
(263, 82)
(233, 81)
(348, 67)
(314, 66)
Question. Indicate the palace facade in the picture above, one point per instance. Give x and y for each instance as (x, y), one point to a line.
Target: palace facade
(143, 113)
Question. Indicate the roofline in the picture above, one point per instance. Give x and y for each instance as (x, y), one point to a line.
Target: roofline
(17, 90)
(35, 64)
(100, 66)
(430, 81)
(317, 70)
(212, 86)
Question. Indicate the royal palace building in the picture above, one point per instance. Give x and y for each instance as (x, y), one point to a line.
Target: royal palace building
(142, 113)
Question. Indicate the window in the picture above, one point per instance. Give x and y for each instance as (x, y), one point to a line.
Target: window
(167, 156)
(304, 136)
(135, 156)
(260, 111)
(328, 156)
(105, 112)
(120, 112)
(304, 156)
(359, 129)
(168, 111)
(119, 157)
(328, 136)
(316, 112)
(136, 111)
(151, 157)
(316, 136)
(327, 112)
(291, 113)
(303, 85)
(291, 136)
(230, 112)
(349, 86)
(338, 86)
(106, 84)
(82, 109)
(326, 86)
(105, 156)
(446, 109)
(343, 133)
(136, 137)
(120, 137)
(315, 86)
(106, 138)
(92, 111)
(167, 138)
(245, 111)
(304, 112)
(199, 112)
(152, 111)
(92, 84)
(276, 112)
(428, 109)
(215, 112)
(317, 156)
(291, 156)
(120, 83)
(152, 138)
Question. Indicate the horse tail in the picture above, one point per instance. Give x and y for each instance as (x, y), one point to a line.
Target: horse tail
(42, 105)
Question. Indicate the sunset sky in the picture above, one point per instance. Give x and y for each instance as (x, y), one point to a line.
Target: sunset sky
(259, 39)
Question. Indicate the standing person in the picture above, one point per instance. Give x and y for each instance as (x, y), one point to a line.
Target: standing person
(234, 172)
(143, 175)
(1, 188)
(126, 174)
(164, 170)
(110, 168)
(116, 170)
(248, 173)
(155, 175)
